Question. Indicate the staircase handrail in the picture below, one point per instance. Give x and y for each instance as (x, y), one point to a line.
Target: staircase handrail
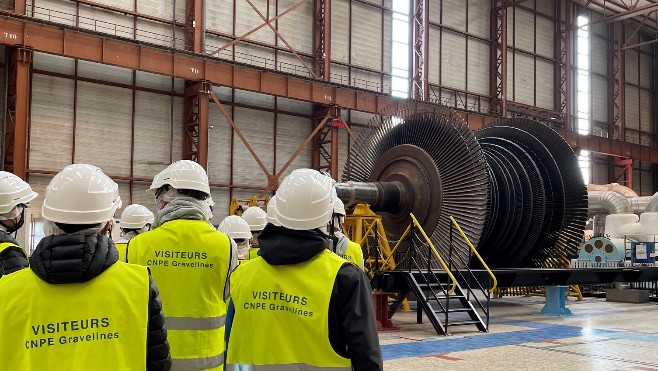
(470, 245)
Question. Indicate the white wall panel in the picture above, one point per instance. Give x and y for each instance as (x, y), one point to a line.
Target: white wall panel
(434, 57)
(247, 19)
(159, 34)
(158, 82)
(219, 145)
(545, 37)
(600, 99)
(51, 128)
(254, 55)
(125, 194)
(340, 30)
(103, 112)
(600, 170)
(454, 14)
(297, 26)
(366, 36)
(111, 23)
(646, 107)
(524, 84)
(258, 128)
(388, 24)
(599, 55)
(631, 109)
(510, 75)
(297, 106)
(479, 17)
(53, 63)
(213, 43)
(54, 11)
(104, 72)
(220, 197)
(6, 4)
(291, 132)
(542, 6)
(287, 62)
(544, 84)
(453, 55)
(254, 99)
(142, 197)
(160, 8)
(177, 153)
(646, 65)
(219, 15)
(435, 11)
(646, 184)
(630, 64)
(524, 29)
(152, 133)
(339, 74)
(478, 66)
(38, 183)
(366, 80)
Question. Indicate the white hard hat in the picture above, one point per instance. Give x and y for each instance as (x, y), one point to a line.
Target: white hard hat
(135, 216)
(81, 194)
(183, 174)
(256, 218)
(339, 207)
(13, 191)
(235, 227)
(305, 200)
(271, 212)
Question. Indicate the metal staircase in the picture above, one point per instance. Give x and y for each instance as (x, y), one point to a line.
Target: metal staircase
(450, 296)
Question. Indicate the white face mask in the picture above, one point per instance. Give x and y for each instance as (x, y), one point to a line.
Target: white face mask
(243, 249)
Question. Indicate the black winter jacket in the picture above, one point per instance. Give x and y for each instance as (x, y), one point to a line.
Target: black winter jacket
(77, 258)
(12, 259)
(352, 323)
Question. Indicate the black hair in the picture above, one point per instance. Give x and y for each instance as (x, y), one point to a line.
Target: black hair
(128, 230)
(201, 196)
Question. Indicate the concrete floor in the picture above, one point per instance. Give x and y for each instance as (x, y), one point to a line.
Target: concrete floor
(598, 336)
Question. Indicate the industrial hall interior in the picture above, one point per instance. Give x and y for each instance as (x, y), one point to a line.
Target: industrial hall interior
(415, 184)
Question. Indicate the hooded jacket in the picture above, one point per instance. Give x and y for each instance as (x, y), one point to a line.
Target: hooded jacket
(78, 258)
(352, 323)
(12, 259)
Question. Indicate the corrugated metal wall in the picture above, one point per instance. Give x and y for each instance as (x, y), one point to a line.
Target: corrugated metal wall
(638, 89)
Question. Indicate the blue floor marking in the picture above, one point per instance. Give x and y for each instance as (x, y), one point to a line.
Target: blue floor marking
(539, 332)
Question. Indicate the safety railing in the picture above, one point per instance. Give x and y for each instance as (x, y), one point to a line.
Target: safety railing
(466, 274)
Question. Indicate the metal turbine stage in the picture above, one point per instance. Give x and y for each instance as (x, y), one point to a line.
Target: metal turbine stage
(514, 186)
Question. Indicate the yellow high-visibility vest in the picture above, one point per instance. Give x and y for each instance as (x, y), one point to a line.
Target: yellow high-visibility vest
(281, 315)
(97, 325)
(189, 261)
(354, 254)
(121, 247)
(6, 245)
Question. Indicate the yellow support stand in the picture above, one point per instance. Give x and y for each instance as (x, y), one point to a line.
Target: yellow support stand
(365, 227)
(237, 207)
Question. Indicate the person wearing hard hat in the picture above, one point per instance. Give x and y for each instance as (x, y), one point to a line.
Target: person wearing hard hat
(348, 250)
(191, 263)
(257, 220)
(271, 212)
(135, 219)
(77, 307)
(238, 230)
(298, 305)
(15, 194)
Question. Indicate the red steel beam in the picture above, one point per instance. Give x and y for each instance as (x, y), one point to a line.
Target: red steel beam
(71, 43)
(322, 39)
(22, 60)
(498, 83)
(420, 34)
(194, 26)
(140, 56)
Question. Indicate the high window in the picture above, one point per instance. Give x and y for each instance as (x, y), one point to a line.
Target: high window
(583, 92)
(401, 51)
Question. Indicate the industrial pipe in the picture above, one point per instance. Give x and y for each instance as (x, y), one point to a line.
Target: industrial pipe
(652, 206)
(381, 196)
(639, 204)
(602, 203)
(615, 187)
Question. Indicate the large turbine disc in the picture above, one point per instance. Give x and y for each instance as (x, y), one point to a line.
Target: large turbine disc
(455, 155)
